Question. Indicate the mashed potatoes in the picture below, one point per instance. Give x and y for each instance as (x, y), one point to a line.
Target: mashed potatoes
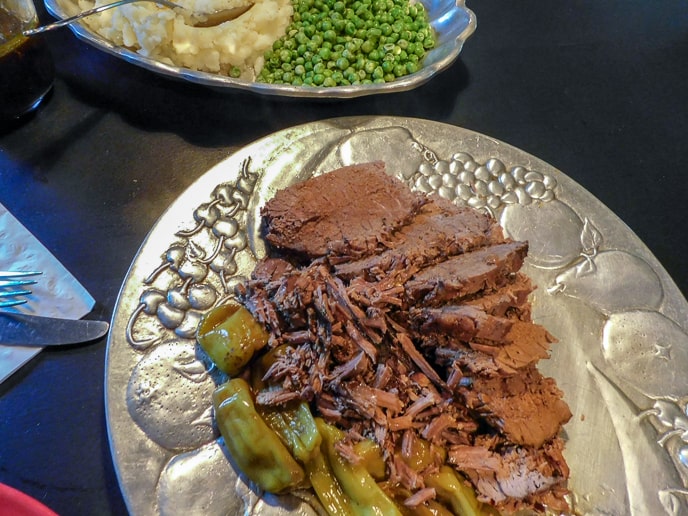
(233, 47)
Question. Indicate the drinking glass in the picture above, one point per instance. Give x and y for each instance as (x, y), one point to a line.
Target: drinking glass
(27, 70)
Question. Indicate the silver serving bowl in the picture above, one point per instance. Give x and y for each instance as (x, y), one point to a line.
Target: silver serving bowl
(451, 20)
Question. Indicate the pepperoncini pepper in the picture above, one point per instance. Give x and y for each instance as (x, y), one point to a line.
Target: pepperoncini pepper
(368, 498)
(453, 491)
(256, 449)
(427, 508)
(296, 426)
(230, 336)
(371, 458)
(327, 488)
(423, 454)
(293, 422)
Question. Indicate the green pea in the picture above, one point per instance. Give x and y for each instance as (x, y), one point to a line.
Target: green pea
(348, 37)
(369, 66)
(342, 63)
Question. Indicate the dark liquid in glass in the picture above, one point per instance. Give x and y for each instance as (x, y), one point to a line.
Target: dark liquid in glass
(26, 69)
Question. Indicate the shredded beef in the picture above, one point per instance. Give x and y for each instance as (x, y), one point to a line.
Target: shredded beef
(407, 320)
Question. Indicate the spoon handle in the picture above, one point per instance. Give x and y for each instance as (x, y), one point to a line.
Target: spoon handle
(89, 12)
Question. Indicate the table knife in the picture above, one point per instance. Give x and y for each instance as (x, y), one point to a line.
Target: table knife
(18, 329)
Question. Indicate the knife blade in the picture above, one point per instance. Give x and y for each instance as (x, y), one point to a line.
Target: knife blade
(17, 329)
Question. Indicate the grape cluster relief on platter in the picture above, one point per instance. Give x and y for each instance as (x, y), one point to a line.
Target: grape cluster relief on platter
(199, 269)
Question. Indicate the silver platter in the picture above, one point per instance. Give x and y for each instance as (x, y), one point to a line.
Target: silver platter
(451, 20)
(620, 319)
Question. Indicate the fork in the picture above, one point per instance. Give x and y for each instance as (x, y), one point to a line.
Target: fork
(95, 10)
(13, 286)
(196, 19)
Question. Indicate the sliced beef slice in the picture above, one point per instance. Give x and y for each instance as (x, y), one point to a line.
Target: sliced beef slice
(528, 408)
(465, 323)
(326, 215)
(439, 230)
(465, 274)
(511, 343)
(509, 300)
(524, 344)
(517, 474)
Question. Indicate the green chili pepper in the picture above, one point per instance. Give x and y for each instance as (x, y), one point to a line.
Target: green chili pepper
(327, 488)
(371, 458)
(455, 492)
(230, 335)
(428, 508)
(257, 450)
(423, 454)
(355, 481)
(296, 427)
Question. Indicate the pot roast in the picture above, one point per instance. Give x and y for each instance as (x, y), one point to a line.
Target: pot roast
(407, 317)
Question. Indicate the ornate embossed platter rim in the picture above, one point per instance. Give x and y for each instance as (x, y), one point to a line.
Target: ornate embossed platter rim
(619, 317)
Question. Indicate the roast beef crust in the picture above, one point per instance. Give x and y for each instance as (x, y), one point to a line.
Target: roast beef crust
(406, 317)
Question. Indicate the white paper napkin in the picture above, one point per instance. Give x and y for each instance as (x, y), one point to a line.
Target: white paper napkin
(56, 294)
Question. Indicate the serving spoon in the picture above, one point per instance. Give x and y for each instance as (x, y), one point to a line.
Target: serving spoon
(197, 19)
